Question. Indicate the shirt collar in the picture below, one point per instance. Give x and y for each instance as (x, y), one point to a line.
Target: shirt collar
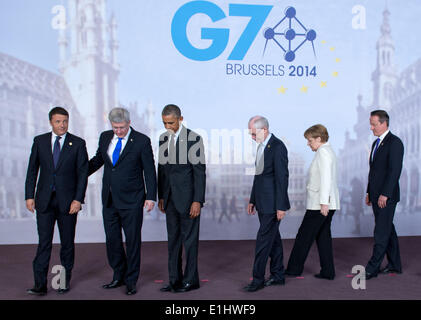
(264, 143)
(384, 135)
(125, 137)
(54, 135)
(178, 132)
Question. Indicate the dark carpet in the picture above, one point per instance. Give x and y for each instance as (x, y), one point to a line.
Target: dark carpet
(224, 268)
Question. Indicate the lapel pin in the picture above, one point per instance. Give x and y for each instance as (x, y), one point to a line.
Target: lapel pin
(70, 143)
(131, 139)
(268, 145)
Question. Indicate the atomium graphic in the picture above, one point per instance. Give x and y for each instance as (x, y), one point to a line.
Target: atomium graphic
(289, 34)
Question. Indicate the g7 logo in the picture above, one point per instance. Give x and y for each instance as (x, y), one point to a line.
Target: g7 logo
(219, 36)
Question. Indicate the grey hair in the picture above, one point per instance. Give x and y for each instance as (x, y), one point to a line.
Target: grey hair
(119, 115)
(259, 122)
(171, 109)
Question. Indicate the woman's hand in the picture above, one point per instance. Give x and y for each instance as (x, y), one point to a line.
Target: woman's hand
(324, 210)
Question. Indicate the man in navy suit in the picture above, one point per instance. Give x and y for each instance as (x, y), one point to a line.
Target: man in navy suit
(128, 186)
(270, 197)
(62, 161)
(383, 194)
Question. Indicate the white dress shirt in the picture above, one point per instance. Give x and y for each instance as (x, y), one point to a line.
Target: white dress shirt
(53, 140)
(114, 141)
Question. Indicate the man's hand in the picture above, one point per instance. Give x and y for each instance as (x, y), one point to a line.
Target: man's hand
(382, 201)
(161, 205)
(194, 209)
(250, 209)
(324, 209)
(149, 204)
(367, 200)
(75, 207)
(280, 214)
(30, 205)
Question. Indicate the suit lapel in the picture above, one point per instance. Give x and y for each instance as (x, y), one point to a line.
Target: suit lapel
(380, 147)
(127, 147)
(105, 145)
(182, 141)
(268, 147)
(371, 153)
(49, 150)
(266, 152)
(65, 150)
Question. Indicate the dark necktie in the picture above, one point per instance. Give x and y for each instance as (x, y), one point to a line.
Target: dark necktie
(375, 147)
(171, 150)
(56, 151)
(116, 152)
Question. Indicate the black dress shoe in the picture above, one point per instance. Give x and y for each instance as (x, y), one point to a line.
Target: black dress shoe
(369, 275)
(187, 287)
(274, 282)
(254, 286)
(113, 284)
(389, 270)
(168, 288)
(320, 276)
(63, 290)
(37, 291)
(131, 290)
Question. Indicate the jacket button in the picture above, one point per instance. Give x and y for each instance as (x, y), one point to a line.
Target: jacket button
(112, 169)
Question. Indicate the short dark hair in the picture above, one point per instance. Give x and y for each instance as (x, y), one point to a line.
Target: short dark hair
(383, 116)
(171, 109)
(57, 110)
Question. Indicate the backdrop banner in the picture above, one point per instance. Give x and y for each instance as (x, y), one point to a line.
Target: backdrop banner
(297, 62)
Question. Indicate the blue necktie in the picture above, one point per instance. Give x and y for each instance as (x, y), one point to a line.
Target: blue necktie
(116, 152)
(56, 151)
(376, 146)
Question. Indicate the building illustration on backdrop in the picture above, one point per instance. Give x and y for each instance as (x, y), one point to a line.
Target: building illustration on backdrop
(87, 85)
(400, 94)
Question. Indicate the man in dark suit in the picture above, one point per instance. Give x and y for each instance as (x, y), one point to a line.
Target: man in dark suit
(269, 196)
(62, 160)
(383, 194)
(128, 186)
(181, 192)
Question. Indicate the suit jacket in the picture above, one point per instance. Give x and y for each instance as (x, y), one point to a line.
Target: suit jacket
(385, 169)
(321, 185)
(270, 186)
(70, 177)
(185, 180)
(134, 169)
